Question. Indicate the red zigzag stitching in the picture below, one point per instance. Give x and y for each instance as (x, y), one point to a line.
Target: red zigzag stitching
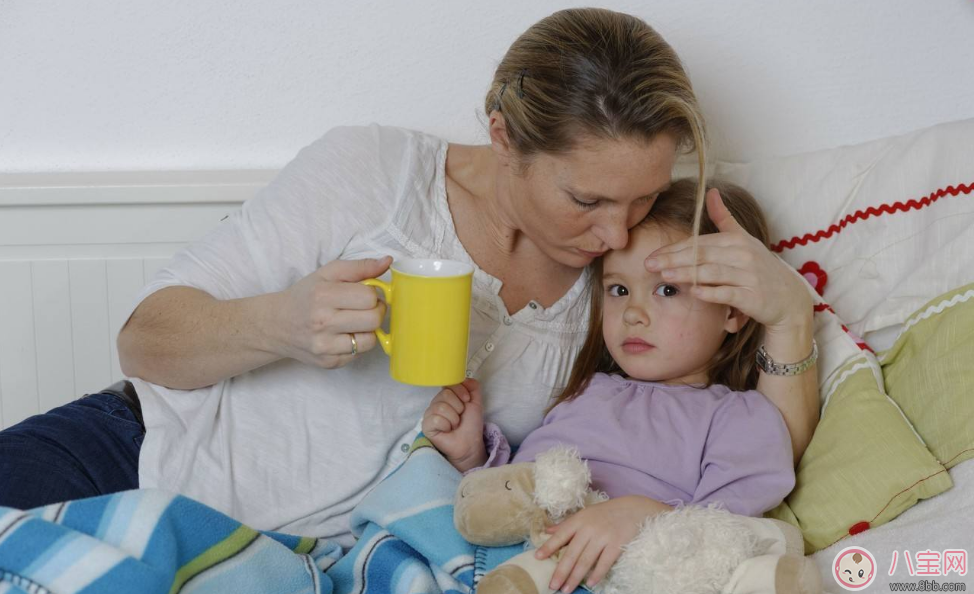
(872, 211)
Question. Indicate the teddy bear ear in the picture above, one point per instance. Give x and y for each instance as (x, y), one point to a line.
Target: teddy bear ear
(561, 480)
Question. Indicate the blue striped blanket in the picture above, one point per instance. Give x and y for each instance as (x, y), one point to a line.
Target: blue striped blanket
(156, 542)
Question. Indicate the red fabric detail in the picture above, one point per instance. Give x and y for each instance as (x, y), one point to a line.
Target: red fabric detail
(815, 276)
(820, 307)
(872, 211)
(858, 527)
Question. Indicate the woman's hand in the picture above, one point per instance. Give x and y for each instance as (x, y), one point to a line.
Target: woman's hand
(317, 316)
(454, 423)
(735, 269)
(594, 538)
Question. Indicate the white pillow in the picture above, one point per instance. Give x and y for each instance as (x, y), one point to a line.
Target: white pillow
(890, 222)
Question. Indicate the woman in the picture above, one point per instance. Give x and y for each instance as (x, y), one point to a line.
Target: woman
(261, 394)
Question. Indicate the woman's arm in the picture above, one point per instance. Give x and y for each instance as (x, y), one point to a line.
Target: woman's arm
(795, 396)
(184, 338)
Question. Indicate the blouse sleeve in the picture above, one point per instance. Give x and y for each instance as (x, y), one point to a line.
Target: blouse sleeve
(747, 462)
(303, 219)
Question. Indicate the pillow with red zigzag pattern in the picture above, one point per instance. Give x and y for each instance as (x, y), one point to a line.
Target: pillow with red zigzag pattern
(878, 228)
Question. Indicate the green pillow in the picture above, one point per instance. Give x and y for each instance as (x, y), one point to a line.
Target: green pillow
(929, 372)
(865, 464)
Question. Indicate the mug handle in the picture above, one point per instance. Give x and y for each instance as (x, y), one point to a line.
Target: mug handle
(385, 339)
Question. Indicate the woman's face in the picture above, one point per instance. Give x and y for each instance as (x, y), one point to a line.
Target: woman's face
(578, 205)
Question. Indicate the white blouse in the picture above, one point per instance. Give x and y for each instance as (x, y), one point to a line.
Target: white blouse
(291, 447)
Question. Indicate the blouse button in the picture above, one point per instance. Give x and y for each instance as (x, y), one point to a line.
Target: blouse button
(489, 346)
(404, 447)
(533, 305)
(469, 373)
(508, 321)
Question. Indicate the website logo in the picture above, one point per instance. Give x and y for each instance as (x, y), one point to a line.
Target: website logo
(854, 568)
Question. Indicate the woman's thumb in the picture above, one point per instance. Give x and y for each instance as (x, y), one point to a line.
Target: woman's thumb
(719, 213)
(353, 271)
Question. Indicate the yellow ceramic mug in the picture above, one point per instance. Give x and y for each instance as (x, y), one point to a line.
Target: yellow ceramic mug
(430, 321)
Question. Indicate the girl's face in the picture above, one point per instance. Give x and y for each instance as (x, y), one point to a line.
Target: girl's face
(577, 206)
(655, 330)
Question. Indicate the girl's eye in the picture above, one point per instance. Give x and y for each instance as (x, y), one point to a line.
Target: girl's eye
(617, 291)
(582, 204)
(667, 291)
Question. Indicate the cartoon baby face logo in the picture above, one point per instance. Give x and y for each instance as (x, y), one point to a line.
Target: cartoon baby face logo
(854, 568)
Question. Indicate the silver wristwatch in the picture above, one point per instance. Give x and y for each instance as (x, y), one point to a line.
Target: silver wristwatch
(769, 366)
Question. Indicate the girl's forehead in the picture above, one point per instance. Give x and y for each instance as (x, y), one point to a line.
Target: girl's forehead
(650, 237)
(643, 240)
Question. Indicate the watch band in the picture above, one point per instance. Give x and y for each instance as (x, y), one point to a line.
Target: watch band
(769, 366)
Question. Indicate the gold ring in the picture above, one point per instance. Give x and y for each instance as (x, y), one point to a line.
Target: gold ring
(354, 344)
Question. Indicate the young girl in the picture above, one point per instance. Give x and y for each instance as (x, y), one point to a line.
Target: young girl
(660, 403)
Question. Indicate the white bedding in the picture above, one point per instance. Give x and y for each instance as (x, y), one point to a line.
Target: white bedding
(942, 522)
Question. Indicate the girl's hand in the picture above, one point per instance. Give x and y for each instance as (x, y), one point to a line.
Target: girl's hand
(454, 423)
(594, 537)
(316, 317)
(735, 269)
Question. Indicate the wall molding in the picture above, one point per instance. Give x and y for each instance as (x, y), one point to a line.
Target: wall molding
(131, 187)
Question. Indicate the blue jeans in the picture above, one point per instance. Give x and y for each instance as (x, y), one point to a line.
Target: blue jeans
(86, 448)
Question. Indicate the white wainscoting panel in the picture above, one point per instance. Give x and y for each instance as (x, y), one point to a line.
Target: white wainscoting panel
(18, 355)
(75, 249)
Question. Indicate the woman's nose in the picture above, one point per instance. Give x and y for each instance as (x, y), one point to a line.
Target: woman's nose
(634, 316)
(613, 230)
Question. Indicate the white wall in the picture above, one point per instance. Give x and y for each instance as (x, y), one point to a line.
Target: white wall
(139, 85)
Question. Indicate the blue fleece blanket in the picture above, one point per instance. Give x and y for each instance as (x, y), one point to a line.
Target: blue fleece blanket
(156, 542)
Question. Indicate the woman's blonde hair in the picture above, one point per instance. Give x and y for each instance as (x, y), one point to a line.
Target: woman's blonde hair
(594, 73)
(734, 364)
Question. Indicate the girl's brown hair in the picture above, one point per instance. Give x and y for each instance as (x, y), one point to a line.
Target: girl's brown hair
(733, 365)
(594, 73)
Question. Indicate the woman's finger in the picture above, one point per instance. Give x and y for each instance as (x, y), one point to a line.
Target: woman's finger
(712, 274)
(736, 256)
(719, 213)
(357, 320)
(364, 342)
(354, 271)
(341, 295)
(736, 297)
(707, 240)
(341, 344)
